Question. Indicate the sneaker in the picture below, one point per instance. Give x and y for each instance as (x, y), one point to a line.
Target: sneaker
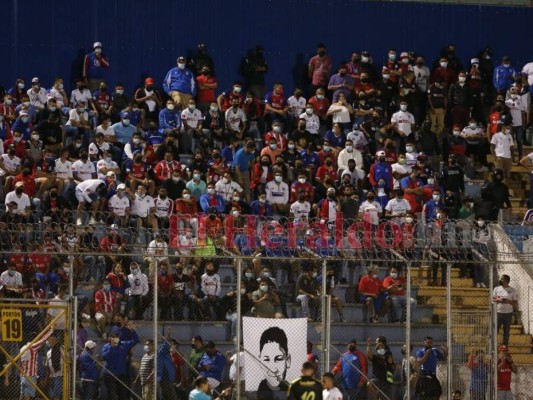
(92, 221)
(341, 319)
(482, 285)
(85, 316)
(78, 221)
(478, 285)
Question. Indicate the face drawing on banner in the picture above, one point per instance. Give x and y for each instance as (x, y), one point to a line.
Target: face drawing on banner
(274, 355)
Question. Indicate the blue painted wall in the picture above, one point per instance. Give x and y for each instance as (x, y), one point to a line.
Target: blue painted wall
(49, 38)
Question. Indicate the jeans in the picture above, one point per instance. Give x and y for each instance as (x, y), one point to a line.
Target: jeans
(89, 390)
(117, 388)
(505, 319)
(518, 132)
(530, 190)
(399, 304)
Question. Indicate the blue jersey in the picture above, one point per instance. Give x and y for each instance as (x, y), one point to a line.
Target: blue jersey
(430, 366)
(350, 375)
(180, 80)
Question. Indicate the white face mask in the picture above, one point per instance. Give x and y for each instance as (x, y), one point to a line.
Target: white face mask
(236, 198)
(309, 111)
(146, 348)
(386, 76)
(97, 51)
(35, 137)
(170, 106)
(120, 91)
(364, 59)
(409, 149)
(264, 288)
(436, 197)
(277, 129)
(302, 180)
(431, 181)
(192, 107)
(278, 178)
(210, 191)
(443, 64)
(186, 196)
(394, 275)
(196, 177)
(237, 89)
(473, 125)
(273, 146)
(319, 96)
(214, 109)
(380, 352)
(181, 66)
(349, 148)
(403, 107)
(235, 213)
(409, 220)
(20, 86)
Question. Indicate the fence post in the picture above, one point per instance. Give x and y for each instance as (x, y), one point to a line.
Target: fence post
(74, 303)
(408, 331)
(238, 327)
(325, 312)
(156, 312)
(494, 341)
(449, 326)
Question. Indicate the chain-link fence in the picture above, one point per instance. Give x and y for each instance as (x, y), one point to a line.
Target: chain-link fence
(335, 295)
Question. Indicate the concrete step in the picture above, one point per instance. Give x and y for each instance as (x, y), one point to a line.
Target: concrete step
(429, 291)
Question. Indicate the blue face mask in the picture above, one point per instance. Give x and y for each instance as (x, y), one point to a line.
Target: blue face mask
(163, 273)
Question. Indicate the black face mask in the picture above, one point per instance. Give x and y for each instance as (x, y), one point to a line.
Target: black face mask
(212, 217)
(19, 190)
(103, 89)
(149, 88)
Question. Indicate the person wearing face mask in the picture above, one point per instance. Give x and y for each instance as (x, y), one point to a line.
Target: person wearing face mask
(460, 100)
(235, 119)
(124, 130)
(17, 90)
(276, 107)
(476, 144)
(277, 193)
(443, 72)
(319, 68)
(226, 187)
(95, 66)
(210, 288)
(105, 301)
(341, 82)
(207, 84)
(105, 165)
(146, 371)
(403, 124)
(51, 133)
(214, 125)
(164, 170)
(504, 75)
(371, 294)
(312, 122)
(393, 66)
(386, 92)
(116, 362)
(102, 99)
(432, 206)
(438, 105)
(261, 207)
(502, 148)
(296, 103)
(371, 209)
(119, 101)
(467, 210)
(149, 99)
(18, 144)
(428, 356)
(179, 83)
(37, 95)
(210, 199)
(12, 280)
(496, 194)
(320, 104)
(518, 110)
(192, 127)
(307, 293)
(7, 109)
(187, 205)
(243, 163)
(23, 125)
(78, 123)
(383, 368)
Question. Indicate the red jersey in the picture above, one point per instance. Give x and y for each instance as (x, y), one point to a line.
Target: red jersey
(137, 170)
(393, 66)
(281, 139)
(102, 99)
(205, 95)
(216, 170)
(165, 283)
(400, 281)
(447, 74)
(365, 87)
(276, 101)
(324, 171)
(320, 107)
(227, 100)
(413, 199)
(370, 285)
(20, 261)
(178, 362)
(29, 183)
(20, 148)
(504, 376)
(117, 282)
(165, 170)
(182, 207)
(110, 244)
(40, 261)
(7, 111)
(105, 301)
(408, 236)
(306, 187)
(495, 121)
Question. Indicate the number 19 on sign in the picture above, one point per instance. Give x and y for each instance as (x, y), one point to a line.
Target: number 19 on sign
(11, 325)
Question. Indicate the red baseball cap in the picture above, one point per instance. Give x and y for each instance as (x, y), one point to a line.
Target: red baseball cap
(149, 81)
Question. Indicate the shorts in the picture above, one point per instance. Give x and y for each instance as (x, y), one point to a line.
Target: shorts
(26, 388)
(213, 383)
(81, 198)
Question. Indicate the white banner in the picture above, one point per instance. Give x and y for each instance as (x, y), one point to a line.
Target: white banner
(275, 350)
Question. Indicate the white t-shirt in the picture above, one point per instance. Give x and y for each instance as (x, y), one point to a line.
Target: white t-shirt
(7, 280)
(503, 144)
(343, 116)
(54, 93)
(119, 205)
(296, 106)
(63, 169)
(22, 202)
(141, 207)
(401, 169)
(421, 77)
(404, 119)
(73, 115)
(104, 164)
(358, 138)
(372, 210)
(477, 132)
(193, 118)
(233, 367)
(38, 99)
(528, 70)
(300, 210)
(109, 132)
(234, 119)
(151, 104)
(84, 170)
(516, 107)
(10, 164)
(93, 148)
(89, 186)
(163, 208)
(277, 193)
(77, 96)
(333, 394)
(312, 123)
(226, 189)
(507, 293)
(398, 207)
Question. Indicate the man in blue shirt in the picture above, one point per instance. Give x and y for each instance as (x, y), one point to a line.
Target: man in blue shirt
(432, 206)
(123, 130)
(243, 162)
(166, 372)
(211, 365)
(504, 75)
(88, 372)
(428, 386)
(169, 120)
(115, 354)
(211, 200)
(179, 84)
(95, 65)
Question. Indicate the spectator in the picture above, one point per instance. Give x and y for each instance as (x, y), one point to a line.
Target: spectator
(504, 75)
(105, 301)
(211, 365)
(95, 65)
(505, 369)
(89, 372)
(383, 368)
(146, 371)
(428, 386)
(115, 355)
(370, 290)
(395, 287)
(319, 68)
(506, 298)
(197, 352)
(243, 163)
(460, 100)
(179, 84)
(307, 294)
(353, 379)
(210, 289)
(265, 300)
(137, 292)
(479, 365)
(166, 372)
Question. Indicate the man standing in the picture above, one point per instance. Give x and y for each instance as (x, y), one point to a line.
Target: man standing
(428, 386)
(353, 366)
(306, 387)
(179, 84)
(506, 367)
(330, 392)
(89, 372)
(501, 147)
(319, 68)
(505, 297)
(146, 371)
(94, 66)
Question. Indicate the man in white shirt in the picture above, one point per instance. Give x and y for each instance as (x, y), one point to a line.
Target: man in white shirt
(301, 208)
(120, 205)
(10, 163)
(106, 164)
(78, 124)
(278, 194)
(400, 170)
(226, 186)
(11, 279)
(296, 103)
(397, 207)
(330, 392)
(37, 95)
(312, 122)
(235, 119)
(403, 122)
(64, 173)
(83, 169)
(349, 153)
(518, 109)
(192, 127)
(476, 141)
(18, 202)
(505, 298)
(501, 147)
(89, 191)
(58, 93)
(136, 292)
(144, 209)
(81, 93)
(370, 209)
(411, 155)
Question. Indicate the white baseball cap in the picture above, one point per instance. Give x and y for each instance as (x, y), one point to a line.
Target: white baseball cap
(97, 44)
(89, 344)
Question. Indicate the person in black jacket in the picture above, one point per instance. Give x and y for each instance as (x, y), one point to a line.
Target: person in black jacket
(497, 194)
(305, 387)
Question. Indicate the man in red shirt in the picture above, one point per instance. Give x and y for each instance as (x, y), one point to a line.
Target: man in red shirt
(207, 85)
(319, 68)
(506, 367)
(18, 144)
(7, 109)
(165, 284)
(137, 174)
(302, 185)
(105, 303)
(395, 287)
(370, 288)
(164, 170)
(276, 105)
(320, 105)
(443, 72)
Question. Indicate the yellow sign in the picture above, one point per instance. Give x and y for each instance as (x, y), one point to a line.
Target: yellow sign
(11, 325)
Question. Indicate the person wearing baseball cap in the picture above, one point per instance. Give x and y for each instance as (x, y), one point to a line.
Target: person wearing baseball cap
(179, 83)
(504, 75)
(88, 371)
(95, 65)
(149, 99)
(505, 369)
